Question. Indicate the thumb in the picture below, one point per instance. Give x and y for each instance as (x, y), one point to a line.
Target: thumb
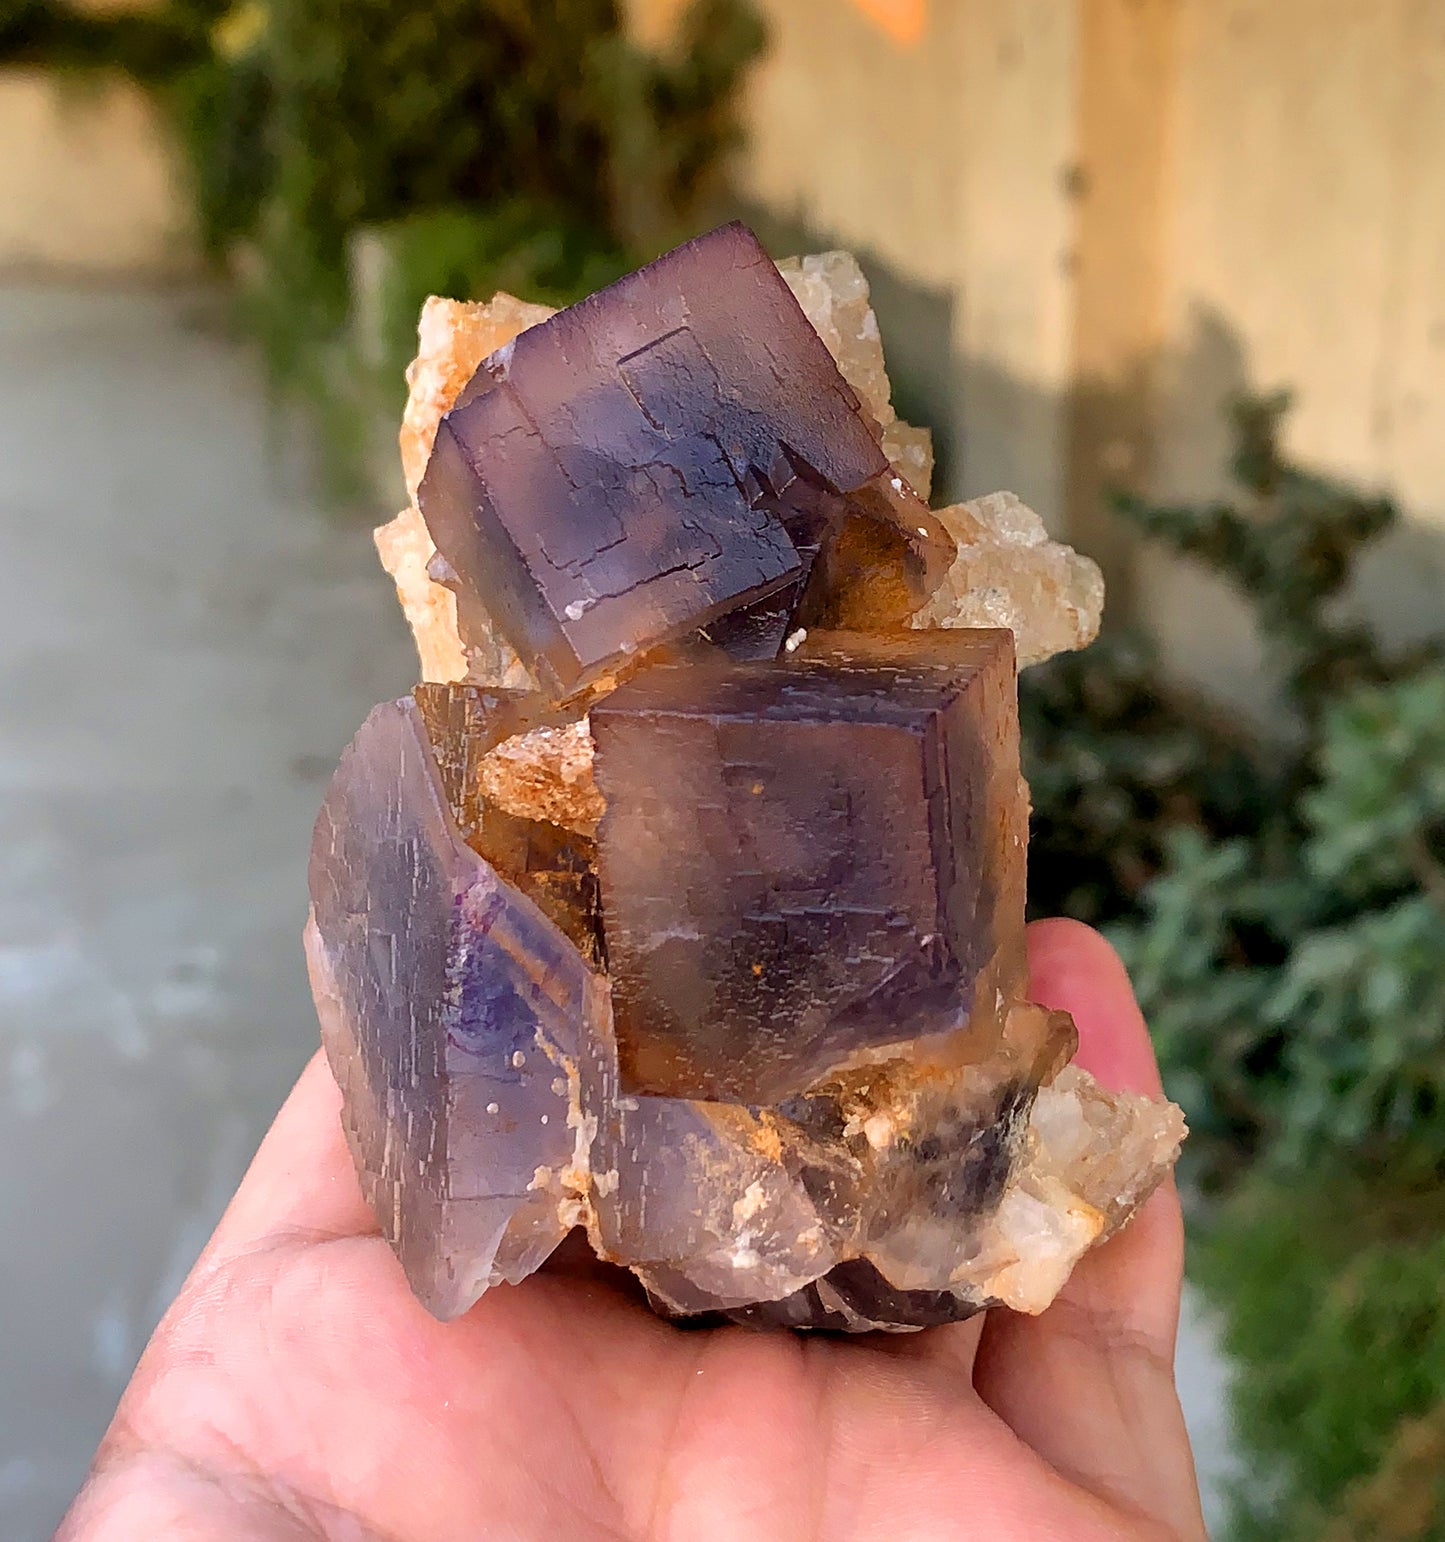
(1090, 1383)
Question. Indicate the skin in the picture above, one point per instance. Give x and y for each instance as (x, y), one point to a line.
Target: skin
(295, 1390)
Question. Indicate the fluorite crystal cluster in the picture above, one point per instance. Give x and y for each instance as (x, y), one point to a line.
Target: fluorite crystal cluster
(683, 900)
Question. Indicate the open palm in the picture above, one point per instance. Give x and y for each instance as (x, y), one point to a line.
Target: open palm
(296, 1390)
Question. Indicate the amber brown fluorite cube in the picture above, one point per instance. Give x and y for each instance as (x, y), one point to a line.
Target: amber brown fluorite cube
(553, 865)
(808, 858)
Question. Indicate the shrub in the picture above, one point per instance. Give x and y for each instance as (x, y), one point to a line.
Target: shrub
(1281, 906)
(494, 144)
(1279, 903)
(1335, 1322)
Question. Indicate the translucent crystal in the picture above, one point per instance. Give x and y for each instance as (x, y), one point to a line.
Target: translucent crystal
(833, 293)
(1080, 1163)
(454, 336)
(915, 1180)
(734, 796)
(1089, 1159)
(451, 1011)
(545, 773)
(938, 1135)
(552, 860)
(692, 1197)
(405, 549)
(807, 859)
(1110, 1148)
(1009, 573)
(676, 447)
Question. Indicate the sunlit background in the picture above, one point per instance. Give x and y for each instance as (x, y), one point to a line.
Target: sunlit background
(1172, 270)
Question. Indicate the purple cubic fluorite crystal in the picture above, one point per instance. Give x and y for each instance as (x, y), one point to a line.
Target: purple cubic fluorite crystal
(451, 1010)
(789, 846)
(671, 450)
(806, 858)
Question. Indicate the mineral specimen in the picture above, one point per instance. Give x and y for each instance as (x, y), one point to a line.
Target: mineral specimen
(1050, 596)
(454, 337)
(1009, 573)
(809, 859)
(684, 903)
(676, 447)
(451, 1010)
(833, 293)
(479, 740)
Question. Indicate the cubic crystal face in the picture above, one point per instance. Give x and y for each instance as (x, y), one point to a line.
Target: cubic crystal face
(805, 858)
(670, 450)
(450, 1008)
(716, 735)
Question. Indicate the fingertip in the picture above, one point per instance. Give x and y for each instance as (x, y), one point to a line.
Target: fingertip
(301, 1179)
(1073, 968)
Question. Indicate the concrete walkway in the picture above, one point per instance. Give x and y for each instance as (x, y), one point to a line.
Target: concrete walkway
(185, 646)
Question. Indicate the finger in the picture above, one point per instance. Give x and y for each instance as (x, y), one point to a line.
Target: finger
(1136, 1279)
(301, 1181)
(1073, 968)
(1090, 1383)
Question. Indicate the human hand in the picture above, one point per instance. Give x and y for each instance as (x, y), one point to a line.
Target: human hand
(296, 1390)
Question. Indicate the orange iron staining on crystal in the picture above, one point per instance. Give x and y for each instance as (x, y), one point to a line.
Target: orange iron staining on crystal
(684, 899)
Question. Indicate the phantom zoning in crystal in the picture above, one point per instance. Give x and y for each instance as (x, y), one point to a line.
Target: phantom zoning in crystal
(676, 448)
(450, 1008)
(806, 858)
(683, 902)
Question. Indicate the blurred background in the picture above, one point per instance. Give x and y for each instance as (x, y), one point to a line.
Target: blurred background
(1173, 270)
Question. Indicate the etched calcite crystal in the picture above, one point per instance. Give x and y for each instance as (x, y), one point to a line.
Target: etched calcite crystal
(683, 900)
(1009, 573)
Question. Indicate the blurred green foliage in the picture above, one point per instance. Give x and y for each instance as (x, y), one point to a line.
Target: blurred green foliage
(1335, 1318)
(1279, 897)
(484, 144)
(1116, 763)
(1296, 979)
(518, 245)
(491, 139)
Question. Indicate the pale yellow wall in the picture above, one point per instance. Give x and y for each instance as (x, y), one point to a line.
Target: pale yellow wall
(947, 161)
(1308, 215)
(1127, 57)
(1137, 207)
(87, 180)
(1304, 245)
(1014, 62)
